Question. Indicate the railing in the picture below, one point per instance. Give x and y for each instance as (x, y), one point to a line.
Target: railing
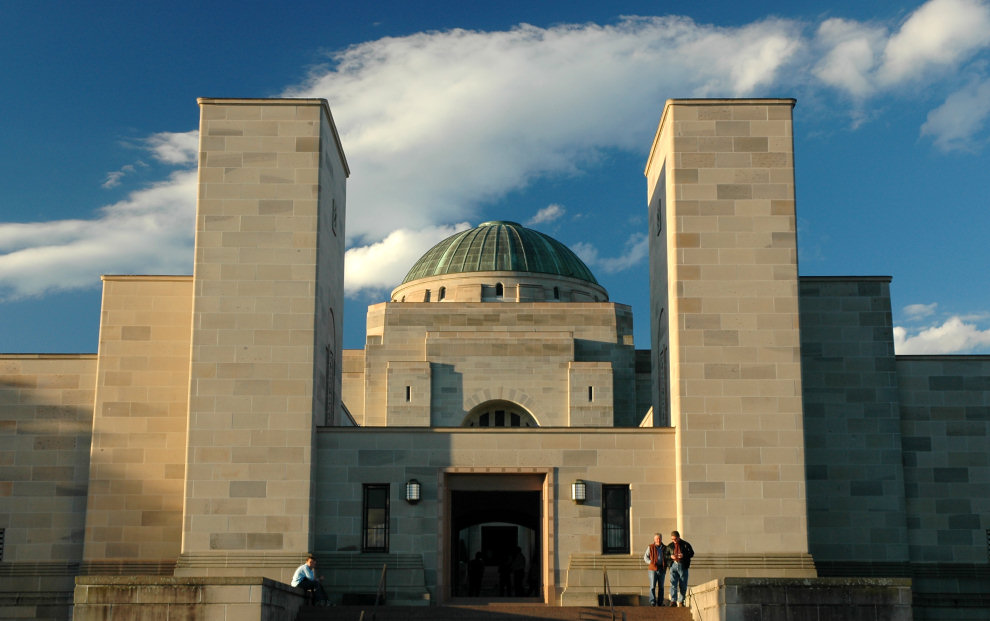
(379, 594)
(608, 592)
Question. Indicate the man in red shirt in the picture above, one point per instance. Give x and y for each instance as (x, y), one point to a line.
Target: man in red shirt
(656, 558)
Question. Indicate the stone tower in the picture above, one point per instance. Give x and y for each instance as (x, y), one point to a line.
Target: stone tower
(266, 329)
(724, 321)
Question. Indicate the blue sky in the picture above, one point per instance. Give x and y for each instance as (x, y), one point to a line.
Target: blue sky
(453, 113)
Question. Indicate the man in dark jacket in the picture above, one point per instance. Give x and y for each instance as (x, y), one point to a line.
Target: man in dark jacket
(680, 553)
(656, 559)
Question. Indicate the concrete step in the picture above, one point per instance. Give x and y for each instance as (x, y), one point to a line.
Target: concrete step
(492, 612)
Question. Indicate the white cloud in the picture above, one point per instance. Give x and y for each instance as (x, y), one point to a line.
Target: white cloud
(147, 233)
(849, 55)
(915, 312)
(940, 34)
(382, 265)
(547, 214)
(954, 336)
(636, 250)
(960, 118)
(180, 148)
(437, 125)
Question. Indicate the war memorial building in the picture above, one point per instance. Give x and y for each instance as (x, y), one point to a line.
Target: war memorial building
(220, 432)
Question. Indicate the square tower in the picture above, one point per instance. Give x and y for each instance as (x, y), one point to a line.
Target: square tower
(266, 329)
(724, 315)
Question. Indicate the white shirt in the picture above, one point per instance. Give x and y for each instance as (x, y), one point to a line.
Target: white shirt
(304, 571)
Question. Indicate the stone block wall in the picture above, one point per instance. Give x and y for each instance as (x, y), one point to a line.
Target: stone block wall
(265, 269)
(137, 466)
(46, 412)
(517, 351)
(727, 267)
(849, 599)
(188, 599)
(856, 505)
(945, 418)
(348, 458)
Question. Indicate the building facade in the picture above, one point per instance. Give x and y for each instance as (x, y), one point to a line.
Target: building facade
(499, 406)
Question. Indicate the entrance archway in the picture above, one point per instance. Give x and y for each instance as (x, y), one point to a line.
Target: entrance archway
(491, 515)
(496, 539)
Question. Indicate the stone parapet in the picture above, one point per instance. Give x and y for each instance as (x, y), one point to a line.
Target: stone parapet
(759, 599)
(191, 599)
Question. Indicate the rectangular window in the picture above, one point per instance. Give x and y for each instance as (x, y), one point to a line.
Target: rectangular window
(615, 519)
(375, 515)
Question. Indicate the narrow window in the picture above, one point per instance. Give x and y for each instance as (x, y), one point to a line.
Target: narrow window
(591, 394)
(500, 418)
(615, 519)
(426, 297)
(408, 393)
(3, 531)
(442, 294)
(375, 518)
(556, 293)
(515, 420)
(333, 217)
(499, 290)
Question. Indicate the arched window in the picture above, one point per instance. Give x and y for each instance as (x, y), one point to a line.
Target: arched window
(499, 290)
(556, 293)
(442, 293)
(499, 414)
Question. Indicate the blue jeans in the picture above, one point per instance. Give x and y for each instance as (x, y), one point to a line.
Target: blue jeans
(656, 585)
(678, 578)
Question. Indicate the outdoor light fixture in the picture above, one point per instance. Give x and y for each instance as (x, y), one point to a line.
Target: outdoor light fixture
(579, 491)
(413, 489)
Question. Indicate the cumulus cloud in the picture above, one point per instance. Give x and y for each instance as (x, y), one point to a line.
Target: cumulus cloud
(437, 125)
(849, 55)
(178, 148)
(635, 251)
(920, 311)
(940, 34)
(954, 336)
(963, 116)
(382, 265)
(547, 214)
(147, 233)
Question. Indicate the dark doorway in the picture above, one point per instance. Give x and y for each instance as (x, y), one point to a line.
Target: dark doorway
(503, 527)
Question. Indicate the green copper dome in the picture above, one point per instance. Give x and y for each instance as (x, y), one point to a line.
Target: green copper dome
(500, 246)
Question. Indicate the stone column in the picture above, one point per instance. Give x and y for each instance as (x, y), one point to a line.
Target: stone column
(268, 294)
(724, 294)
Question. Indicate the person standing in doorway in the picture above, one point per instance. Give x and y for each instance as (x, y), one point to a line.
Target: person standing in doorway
(656, 560)
(680, 553)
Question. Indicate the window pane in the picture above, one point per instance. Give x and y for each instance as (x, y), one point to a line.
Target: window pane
(615, 519)
(375, 518)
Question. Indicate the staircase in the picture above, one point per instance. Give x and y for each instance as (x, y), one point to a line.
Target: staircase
(492, 612)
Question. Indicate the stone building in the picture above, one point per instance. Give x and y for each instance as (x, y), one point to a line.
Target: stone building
(220, 432)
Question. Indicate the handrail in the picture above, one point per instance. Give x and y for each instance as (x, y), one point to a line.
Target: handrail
(379, 595)
(608, 592)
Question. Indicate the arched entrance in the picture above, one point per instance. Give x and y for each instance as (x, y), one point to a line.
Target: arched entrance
(495, 535)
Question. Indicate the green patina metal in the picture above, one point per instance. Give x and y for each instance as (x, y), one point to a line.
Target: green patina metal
(500, 246)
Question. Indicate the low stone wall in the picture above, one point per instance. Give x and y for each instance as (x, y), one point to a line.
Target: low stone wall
(766, 599)
(98, 598)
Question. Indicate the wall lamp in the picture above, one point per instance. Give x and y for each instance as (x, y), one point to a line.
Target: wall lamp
(413, 491)
(579, 491)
